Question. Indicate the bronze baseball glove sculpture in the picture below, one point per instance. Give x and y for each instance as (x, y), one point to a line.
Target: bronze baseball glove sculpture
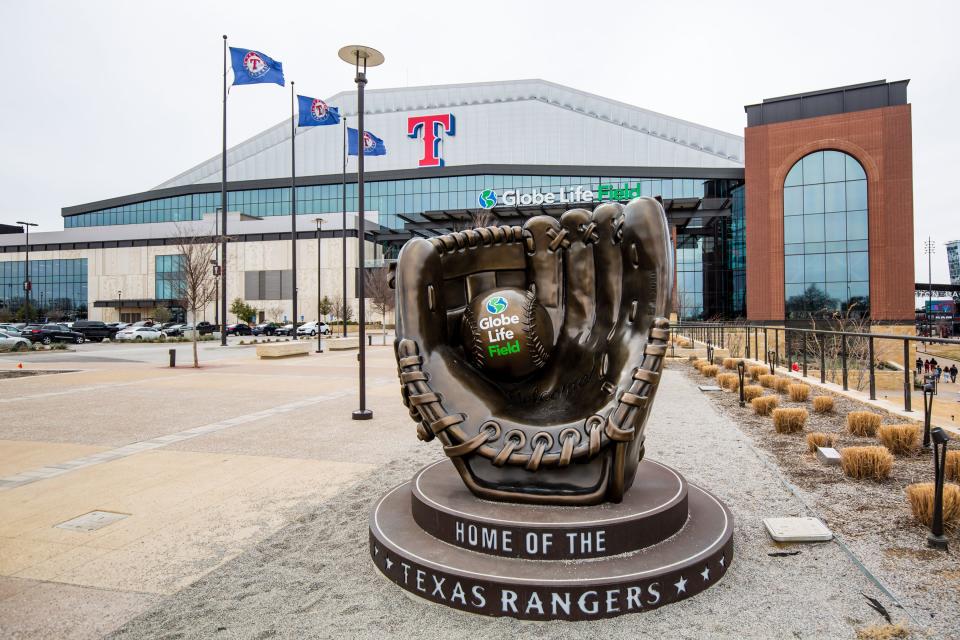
(533, 354)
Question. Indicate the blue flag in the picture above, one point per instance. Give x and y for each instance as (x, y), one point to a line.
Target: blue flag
(253, 67)
(315, 112)
(372, 145)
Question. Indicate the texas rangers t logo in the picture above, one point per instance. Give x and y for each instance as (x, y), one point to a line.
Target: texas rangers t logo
(254, 64)
(318, 108)
(431, 129)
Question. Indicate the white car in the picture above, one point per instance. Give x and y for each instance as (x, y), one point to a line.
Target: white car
(140, 334)
(9, 329)
(311, 328)
(10, 342)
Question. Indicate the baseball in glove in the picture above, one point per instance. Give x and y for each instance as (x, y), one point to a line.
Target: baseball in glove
(533, 353)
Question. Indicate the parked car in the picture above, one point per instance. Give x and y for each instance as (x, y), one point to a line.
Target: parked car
(140, 334)
(51, 332)
(13, 342)
(206, 327)
(285, 330)
(239, 329)
(177, 330)
(265, 329)
(312, 328)
(94, 330)
(10, 329)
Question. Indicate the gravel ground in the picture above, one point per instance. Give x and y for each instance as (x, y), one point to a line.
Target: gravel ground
(314, 578)
(872, 518)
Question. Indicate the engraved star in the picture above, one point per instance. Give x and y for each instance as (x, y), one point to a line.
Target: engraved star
(722, 559)
(389, 563)
(706, 573)
(681, 585)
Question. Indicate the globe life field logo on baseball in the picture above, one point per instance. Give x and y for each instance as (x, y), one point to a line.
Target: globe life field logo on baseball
(506, 333)
(497, 328)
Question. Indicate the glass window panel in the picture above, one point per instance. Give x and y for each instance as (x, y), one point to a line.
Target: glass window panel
(856, 225)
(833, 166)
(813, 267)
(837, 292)
(813, 168)
(857, 195)
(813, 247)
(835, 226)
(834, 247)
(792, 201)
(795, 177)
(793, 229)
(854, 170)
(834, 197)
(793, 268)
(857, 245)
(836, 267)
(813, 228)
(858, 266)
(813, 198)
(859, 290)
(792, 249)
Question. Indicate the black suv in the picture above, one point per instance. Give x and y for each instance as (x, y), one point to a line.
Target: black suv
(239, 329)
(47, 333)
(265, 329)
(206, 327)
(94, 330)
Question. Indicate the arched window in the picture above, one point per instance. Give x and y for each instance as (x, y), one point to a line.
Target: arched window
(825, 212)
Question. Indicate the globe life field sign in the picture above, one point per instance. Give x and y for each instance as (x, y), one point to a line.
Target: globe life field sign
(489, 198)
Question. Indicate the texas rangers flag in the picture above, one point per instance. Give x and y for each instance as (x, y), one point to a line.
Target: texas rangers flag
(372, 145)
(253, 67)
(315, 112)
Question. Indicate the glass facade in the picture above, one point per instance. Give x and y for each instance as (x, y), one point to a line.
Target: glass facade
(689, 277)
(59, 287)
(737, 256)
(169, 275)
(826, 264)
(391, 198)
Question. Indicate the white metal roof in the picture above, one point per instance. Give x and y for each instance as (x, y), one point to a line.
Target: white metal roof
(517, 122)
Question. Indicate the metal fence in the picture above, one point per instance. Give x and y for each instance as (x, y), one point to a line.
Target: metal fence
(825, 347)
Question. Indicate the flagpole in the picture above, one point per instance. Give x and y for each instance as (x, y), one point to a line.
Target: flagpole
(293, 209)
(223, 207)
(343, 231)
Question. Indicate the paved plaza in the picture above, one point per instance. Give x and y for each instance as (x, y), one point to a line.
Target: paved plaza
(244, 488)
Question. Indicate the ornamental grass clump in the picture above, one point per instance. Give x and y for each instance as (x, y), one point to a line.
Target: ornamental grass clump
(820, 439)
(921, 496)
(823, 404)
(710, 370)
(799, 392)
(767, 380)
(901, 439)
(866, 462)
(764, 405)
(789, 420)
(752, 391)
(729, 381)
(758, 370)
(730, 363)
(863, 423)
(698, 364)
(782, 385)
(953, 465)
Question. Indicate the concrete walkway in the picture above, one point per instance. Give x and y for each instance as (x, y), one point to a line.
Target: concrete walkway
(257, 528)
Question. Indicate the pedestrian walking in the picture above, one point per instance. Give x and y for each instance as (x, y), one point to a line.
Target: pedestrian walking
(926, 365)
(953, 374)
(933, 363)
(937, 373)
(919, 364)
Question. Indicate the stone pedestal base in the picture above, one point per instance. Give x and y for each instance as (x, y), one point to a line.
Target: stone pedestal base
(665, 542)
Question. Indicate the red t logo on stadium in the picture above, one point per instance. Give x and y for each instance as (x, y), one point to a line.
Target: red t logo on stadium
(431, 128)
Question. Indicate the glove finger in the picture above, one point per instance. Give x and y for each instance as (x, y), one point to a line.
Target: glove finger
(543, 266)
(579, 275)
(646, 245)
(421, 308)
(608, 258)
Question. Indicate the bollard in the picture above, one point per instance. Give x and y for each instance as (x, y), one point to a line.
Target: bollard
(173, 357)
(370, 340)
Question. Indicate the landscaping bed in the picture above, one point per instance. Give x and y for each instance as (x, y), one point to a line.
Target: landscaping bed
(872, 518)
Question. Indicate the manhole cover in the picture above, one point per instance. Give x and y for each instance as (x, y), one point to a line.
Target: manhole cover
(709, 387)
(797, 529)
(92, 521)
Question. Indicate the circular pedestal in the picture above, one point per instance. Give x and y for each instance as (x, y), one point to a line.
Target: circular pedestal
(443, 507)
(674, 567)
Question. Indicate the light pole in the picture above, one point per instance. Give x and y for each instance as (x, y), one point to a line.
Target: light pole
(935, 538)
(319, 222)
(929, 248)
(361, 57)
(27, 285)
(216, 305)
(119, 306)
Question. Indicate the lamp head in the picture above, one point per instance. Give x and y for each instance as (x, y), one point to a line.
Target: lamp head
(939, 436)
(360, 55)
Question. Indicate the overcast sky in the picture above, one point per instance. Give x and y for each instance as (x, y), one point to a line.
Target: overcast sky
(103, 99)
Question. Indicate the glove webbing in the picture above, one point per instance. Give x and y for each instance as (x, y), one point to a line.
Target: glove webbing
(634, 402)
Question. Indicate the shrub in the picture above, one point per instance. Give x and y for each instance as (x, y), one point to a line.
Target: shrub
(901, 439)
(764, 404)
(953, 465)
(752, 391)
(698, 364)
(820, 439)
(710, 370)
(758, 370)
(789, 420)
(863, 423)
(799, 392)
(823, 404)
(782, 385)
(730, 363)
(866, 462)
(921, 496)
(883, 632)
(728, 381)
(767, 380)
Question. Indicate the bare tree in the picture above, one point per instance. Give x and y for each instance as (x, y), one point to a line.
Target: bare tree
(196, 287)
(477, 219)
(342, 310)
(382, 297)
(275, 313)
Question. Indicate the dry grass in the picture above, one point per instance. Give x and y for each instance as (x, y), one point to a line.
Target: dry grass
(758, 370)
(799, 392)
(883, 632)
(863, 423)
(820, 439)
(698, 364)
(789, 420)
(728, 381)
(709, 370)
(764, 404)
(921, 496)
(953, 465)
(767, 380)
(683, 343)
(823, 404)
(901, 439)
(752, 391)
(866, 462)
(730, 363)
(782, 385)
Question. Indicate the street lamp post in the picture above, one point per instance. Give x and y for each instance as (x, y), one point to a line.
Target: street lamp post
(27, 285)
(929, 247)
(119, 306)
(741, 370)
(935, 538)
(216, 304)
(319, 222)
(361, 57)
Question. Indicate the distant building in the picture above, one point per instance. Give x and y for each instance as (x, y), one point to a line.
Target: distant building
(953, 261)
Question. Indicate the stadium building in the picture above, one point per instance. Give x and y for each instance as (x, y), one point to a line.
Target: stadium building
(809, 212)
